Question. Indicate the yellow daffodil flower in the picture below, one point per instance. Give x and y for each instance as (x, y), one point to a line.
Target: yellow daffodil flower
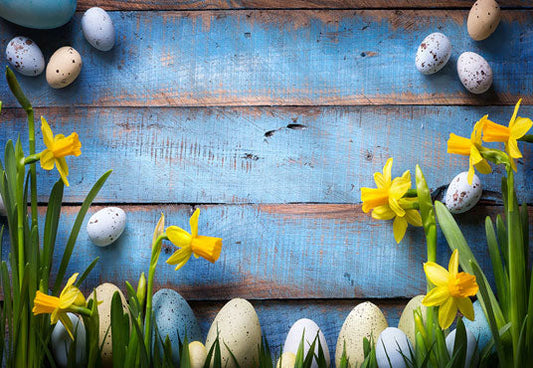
(58, 307)
(57, 148)
(201, 246)
(387, 202)
(470, 147)
(518, 127)
(451, 292)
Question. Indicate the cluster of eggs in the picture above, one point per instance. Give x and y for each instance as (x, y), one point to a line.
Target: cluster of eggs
(474, 71)
(65, 64)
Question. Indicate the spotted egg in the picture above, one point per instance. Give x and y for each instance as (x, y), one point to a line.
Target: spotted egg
(461, 196)
(433, 53)
(474, 72)
(307, 330)
(25, 56)
(106, 226)
(479, 326)
(98, 29)
(483, 19)
(63, 67)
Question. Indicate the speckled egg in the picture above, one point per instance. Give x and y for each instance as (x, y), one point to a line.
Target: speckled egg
(307, 329)
(286, 360)
(25, 56)
(474, 72)
(63, 68)
(98, 29)
(483, 19)
(479, 326)
(174, 318)
(365, 320)
(104, 294)
(61, 342)
(3, 210)
(391, 348)
(407, 319)
(238, 327)
(461, 196)
(197, 354)
(433, 53)
(106, 226)
(472, 353)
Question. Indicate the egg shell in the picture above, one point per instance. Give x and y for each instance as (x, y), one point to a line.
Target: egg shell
(3, 210)
(104, 294)
(479, 326)
(309, 330)
(483, 18)
(286, 360)
(40, 14)
(106, 226)
(472, 353)
(63, 68)
(98, 29)
(433, 53)
(61, 342)
(238, 327)
(407, 319)
(25, 56)
(474, 72)
(197, 354)
(365, 320)
(174, 318)
(461, 196)
(391, 348)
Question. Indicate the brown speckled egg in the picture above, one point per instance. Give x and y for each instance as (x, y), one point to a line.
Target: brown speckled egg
(25, 56)
(483, 19)
(474, 72)
(63, 68)
(461, 196)
(365, 320)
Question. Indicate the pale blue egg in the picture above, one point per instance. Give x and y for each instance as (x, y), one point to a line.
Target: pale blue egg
(40, 14)
(61, 342)
(174, 318)
(472, 352)
(392, 348)
(479, 326)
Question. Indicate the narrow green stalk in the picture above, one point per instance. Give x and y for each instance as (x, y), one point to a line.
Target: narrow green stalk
(527, 138)
(411, 193)
(23, 336)
(81, 310)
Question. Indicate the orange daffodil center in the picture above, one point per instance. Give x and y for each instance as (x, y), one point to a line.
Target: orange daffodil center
(191, 243)
(452, 290)
(57, 148)
(58, 307)
(387, 202)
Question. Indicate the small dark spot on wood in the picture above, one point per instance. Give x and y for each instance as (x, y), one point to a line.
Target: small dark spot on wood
(296, 126)
(250, 156)
(369, 156)
(363, 54)
(270, 133)
(247, 34)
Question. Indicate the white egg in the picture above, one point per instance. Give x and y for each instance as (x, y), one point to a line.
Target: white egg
(392, 347)
(98, 29)
(474, 72)
(461, 196)
(286, 360)
(407, 319)
(61, 342)
(25, 56)
(3, 210)
(309, 330)
(472, 353)
(433, 53)
(106, 226)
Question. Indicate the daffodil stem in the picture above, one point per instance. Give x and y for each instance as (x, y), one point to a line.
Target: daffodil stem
(81, 310)
(411, 193)
(31, 160)
(527, 138)
(156, 251)
(411, 206)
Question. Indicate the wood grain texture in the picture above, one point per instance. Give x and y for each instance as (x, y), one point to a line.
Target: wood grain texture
(260, 155)
(207, 58)
(305, 251)
(282, 4)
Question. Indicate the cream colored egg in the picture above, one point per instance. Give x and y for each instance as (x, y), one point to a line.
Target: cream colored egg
(287, 360)
(364, 321)
(407, 319)
(104, 294)
(197, 354)
(239, 330)
(63, 68)
(483, 19)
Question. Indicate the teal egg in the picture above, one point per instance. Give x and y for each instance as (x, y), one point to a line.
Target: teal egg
(40, 14)
(174, 318)
(479, 326)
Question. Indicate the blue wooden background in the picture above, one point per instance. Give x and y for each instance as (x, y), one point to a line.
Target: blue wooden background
(270, 117)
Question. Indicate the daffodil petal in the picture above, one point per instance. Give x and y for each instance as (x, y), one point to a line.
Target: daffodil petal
(521, 127)
(436, 296)
(62, 167)
(179, 255)
(493, 132)
(465, 307)
(399, 227)
(447, 313)
(67, 323)
(379, 179)
(514, 152)
(515, 112)
(193, 221)
(383, 213)
(387, 170)
(483, 167)
(47, 160)
(437, 274)
(48, 136)
(413, 217)
(453, 265)
(178, 236)
(459, 145)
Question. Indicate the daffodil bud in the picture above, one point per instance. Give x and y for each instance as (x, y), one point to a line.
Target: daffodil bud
(141, 290)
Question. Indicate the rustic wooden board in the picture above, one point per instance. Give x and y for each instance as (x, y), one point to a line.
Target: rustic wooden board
(259, 155)
(275, 252)
(283, 4)
(206, 58)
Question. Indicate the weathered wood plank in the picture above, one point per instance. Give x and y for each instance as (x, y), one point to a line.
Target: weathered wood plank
(275, 252)
(206, 58)
(282, 4)
(259, 155)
